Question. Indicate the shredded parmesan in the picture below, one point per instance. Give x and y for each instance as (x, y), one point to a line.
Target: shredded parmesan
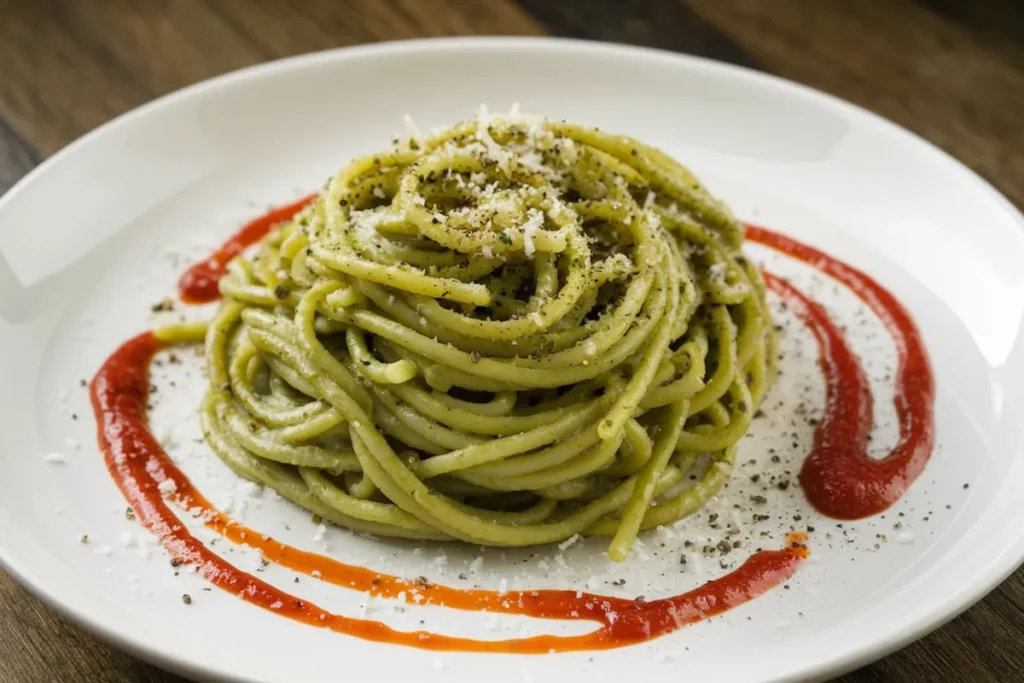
(501, 155)
(410, 125)
(568, 542)
(534, 222)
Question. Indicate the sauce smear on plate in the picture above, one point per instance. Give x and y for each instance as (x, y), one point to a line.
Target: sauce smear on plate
(839, 478)
(145, 474)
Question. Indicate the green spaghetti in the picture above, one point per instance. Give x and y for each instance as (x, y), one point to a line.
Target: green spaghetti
(506, 333)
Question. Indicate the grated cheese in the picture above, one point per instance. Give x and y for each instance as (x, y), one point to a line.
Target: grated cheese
(534, 222)
(568, 542)
(410, 125)
(501, 155)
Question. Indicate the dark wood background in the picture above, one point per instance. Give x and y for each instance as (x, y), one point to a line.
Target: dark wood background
(951, 70)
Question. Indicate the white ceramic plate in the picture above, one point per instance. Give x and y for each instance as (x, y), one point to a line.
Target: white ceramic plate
(97, 234)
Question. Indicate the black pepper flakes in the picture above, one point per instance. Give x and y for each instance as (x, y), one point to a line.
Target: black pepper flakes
(186, 598)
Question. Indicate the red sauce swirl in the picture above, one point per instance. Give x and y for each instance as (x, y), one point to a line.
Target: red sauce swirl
(839, 478)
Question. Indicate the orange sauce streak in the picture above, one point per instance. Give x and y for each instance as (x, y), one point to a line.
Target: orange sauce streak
(138, 465)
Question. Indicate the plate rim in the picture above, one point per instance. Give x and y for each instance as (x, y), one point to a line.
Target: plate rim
(1002, 564)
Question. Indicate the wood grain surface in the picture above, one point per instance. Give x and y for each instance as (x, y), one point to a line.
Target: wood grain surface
(950, 70)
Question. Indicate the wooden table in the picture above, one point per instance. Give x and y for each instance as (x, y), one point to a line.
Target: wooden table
(951, 70)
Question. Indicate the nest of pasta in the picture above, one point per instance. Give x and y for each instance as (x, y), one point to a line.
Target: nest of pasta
(506, 333)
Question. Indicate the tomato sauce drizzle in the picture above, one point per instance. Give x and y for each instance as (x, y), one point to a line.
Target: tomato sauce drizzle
(139, 466)
(199, 283)
(838, 477)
